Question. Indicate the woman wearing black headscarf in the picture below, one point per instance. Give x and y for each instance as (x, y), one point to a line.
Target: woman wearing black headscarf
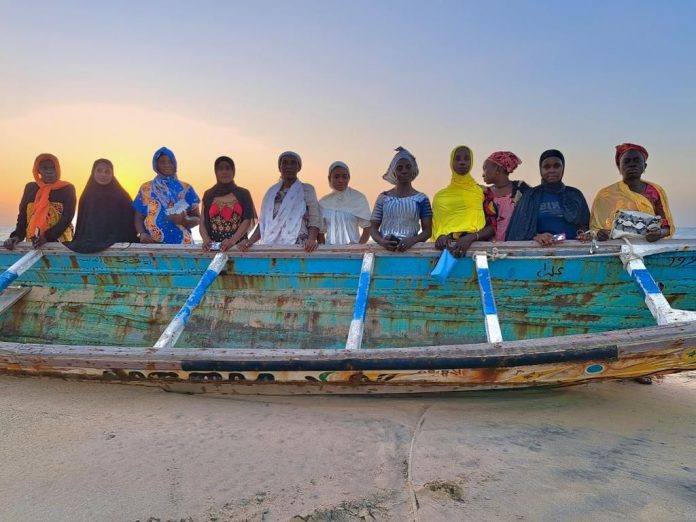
(550, 208)
(104, 213)
(228, 210)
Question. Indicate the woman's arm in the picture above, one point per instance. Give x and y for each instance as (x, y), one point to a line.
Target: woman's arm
(20, 230)
(426, 232)
(245, 245)
(377, 223)
(313, 218)
(657, 234)
(192, 217)
(365, 235)
(187, 219)
(141, 231)
(239, 234)
(377, 236)
(204, 231)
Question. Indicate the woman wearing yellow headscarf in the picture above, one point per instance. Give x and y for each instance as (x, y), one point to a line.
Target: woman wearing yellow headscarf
(458, 209)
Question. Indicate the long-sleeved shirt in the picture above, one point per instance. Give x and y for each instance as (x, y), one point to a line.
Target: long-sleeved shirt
(62, 200)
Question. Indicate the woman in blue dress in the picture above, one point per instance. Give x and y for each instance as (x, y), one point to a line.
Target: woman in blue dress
(166, 208)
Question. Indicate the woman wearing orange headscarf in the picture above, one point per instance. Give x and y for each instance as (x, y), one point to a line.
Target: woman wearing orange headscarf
(47, 207)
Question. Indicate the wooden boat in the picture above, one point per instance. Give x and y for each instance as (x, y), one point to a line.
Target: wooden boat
(349, 320)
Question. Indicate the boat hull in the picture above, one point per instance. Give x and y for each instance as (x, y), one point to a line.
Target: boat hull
(275, 321)
(519, 364)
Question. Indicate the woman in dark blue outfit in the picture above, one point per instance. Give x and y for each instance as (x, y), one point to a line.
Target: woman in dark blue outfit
(550, 208)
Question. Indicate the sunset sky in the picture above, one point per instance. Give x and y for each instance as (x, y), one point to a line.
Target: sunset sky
(350, 81)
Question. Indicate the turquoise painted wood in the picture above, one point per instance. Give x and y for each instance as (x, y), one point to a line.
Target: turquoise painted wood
(290, 300)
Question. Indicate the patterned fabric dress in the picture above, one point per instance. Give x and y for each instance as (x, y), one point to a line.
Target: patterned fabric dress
(400, 216)
(156, 208)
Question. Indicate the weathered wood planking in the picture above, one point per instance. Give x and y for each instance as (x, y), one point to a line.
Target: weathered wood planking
(275, 320)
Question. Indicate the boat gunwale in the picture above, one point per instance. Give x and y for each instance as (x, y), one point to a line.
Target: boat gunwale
(511, 249)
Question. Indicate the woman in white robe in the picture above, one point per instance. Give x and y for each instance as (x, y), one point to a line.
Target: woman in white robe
(345, 210)
(290, 210)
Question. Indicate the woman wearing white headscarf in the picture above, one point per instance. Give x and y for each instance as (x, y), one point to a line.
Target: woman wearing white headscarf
(290, 210)
(402, 216)
(345, 210)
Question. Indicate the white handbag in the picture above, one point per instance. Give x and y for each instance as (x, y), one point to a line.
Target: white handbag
(631, 223)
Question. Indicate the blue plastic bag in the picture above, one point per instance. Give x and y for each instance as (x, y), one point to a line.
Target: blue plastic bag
(444, 265)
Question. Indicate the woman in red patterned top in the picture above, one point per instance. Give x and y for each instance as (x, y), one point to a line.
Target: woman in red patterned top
(228, 210)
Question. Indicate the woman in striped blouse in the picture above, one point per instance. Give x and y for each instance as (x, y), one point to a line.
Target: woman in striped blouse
(402, 216)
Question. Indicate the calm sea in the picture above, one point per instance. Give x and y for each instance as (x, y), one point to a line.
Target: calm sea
(682, 232)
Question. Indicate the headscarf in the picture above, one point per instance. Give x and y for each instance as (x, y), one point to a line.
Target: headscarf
(349, 200)
(506, 160)
(42, 199)
(227, 159)
(459, 206)
(335, 165)
(625, 147)
(104, 217)
(293, 155)
(163, 151)
(168, 190)
(523, 224)
(220, 189)
(401, 153)
(552, 153)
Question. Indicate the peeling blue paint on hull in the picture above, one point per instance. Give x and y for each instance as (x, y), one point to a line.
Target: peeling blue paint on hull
(283, 299)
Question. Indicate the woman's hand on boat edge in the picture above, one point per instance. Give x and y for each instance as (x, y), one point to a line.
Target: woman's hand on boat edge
(461, 245)
(310, 245)
(406, 243)
(441, 242)
(545, 239)
(603, 234)
(146, 238)
(39, 241)
(10, 243)
(655, 235)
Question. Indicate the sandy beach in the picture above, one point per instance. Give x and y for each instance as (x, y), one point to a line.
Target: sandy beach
(89, 451)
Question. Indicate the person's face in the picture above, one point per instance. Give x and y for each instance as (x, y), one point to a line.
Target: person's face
(224, 172)
(632, 164)
(47, 170)
(552, 170)
(461, 163)
(492, 172)
(404, 171)
(339, 179)
(165, 165)
(103, 174)
(289, 167)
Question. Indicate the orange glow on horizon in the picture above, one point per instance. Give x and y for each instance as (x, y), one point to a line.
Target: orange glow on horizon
(128, 136)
